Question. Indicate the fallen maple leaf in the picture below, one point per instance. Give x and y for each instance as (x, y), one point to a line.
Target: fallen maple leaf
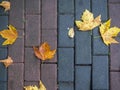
(6, 5)
(42, 87)
(7, 62)
(88, 22)
(9, 34)
(108, 33)
(44, 52)
(71, 33)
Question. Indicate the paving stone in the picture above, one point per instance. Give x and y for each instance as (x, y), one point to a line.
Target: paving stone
(66, 86)
(100, 8)
(80, 6)
(66, 64)
(3, 72)
(114, 10)
(50, 36)
(3, 53)
(49, 76)
(115, 56)
(3, 25)
(114, 1)
(65, 22)
(49, 7)
(3, 85)
(16, 76)
(16, 15)
(66, 6)
(32, 37)
(82, 77)
(27, 83)
(32, 66)
(100, 73)
(114, 80)
(83, 55)
(16, 51)
(33, 6)
(99, 48)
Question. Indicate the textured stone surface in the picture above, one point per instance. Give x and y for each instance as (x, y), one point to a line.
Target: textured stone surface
(82, 77)
(49, 76)
(32, 37)
(33, 6)
(3, 85)
(16, 15)
(3, 72)
(16, 76)
(100, 73)
(66, 6)
(114, 10)
(66, 86)
(49, 14)
(16, 51)
(32, 66)
(66, 64)
(115, 80)
(65, 22)
(115, 56)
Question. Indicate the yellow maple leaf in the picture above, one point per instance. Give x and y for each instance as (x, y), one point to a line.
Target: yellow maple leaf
(71, 33)
(6, 5)
(108, 33)
(7, 62)
(42, 87)
(9, 34)
(88, 22)
(44, 52)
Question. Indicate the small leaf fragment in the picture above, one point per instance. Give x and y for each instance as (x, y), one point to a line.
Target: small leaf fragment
(6, 5)
(9, 34)
(108, 33)
(44, 52)
(88, 22)
(7, 62)
(71, 33)
(41, 87)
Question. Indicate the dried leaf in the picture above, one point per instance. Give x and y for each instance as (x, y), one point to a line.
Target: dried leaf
(7, 62)
(42, 87)
(9, 34)
(71, 33)
(108, 33)
(88, 22)
(6, 5)
(44, 52)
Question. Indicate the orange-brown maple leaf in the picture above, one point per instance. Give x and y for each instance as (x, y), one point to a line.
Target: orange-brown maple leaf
(44, 52)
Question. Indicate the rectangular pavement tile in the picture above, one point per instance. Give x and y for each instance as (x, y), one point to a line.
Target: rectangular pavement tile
(114, 80)
(32, 31)
(16, 15)
(66, 64)
(49, 14)
(66, 86)
(115, 56)
(16, 76)
(114, 10)
(83, 77)
(99, 8)
(100, 73)
(65, 22)
(33, 6)
(3, 85)
(32, 66)
(49, 76)
(16, 51)
(66, 6)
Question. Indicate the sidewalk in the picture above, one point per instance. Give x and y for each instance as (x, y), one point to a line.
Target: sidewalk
(82, 63)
